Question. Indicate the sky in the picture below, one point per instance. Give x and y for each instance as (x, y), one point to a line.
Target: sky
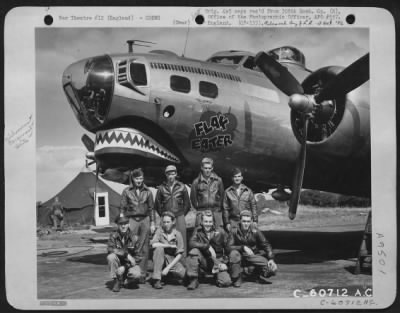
(60, 153)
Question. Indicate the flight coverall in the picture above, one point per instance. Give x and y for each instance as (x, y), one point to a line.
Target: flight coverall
(256, 241)
(164, 256)
(118, 247)
(200, 258)
(175, 200)
(235, 202)
(207, 195)
(138, 204)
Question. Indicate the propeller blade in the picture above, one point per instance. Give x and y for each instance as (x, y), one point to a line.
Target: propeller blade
(298, 178)
(278, 74)
(350, 78)
(95, 185)
(88, 142)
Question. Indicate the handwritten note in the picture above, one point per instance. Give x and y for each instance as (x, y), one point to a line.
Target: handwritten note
(21, 135)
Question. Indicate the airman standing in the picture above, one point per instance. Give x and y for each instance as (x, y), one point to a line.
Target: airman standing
(137, 204)
(207, 192)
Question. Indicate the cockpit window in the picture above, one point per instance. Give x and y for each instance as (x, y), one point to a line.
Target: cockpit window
(138, 74)
(288, 54)
(228, 60)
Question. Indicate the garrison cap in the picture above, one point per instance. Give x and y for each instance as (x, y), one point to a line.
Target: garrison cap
(170, 168)
(121, 219)
(245, 213)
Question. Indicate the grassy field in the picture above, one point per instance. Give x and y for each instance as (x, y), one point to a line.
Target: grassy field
(315, 217)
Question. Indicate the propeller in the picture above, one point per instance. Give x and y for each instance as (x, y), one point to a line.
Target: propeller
(89, 144)
(278, 74)
(347, 80)
(299, 174)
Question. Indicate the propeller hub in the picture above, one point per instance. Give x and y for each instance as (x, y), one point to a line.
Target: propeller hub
(302, 103)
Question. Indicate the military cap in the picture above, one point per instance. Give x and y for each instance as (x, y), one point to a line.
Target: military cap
(121, 219)
(170, 168)
(245, 213)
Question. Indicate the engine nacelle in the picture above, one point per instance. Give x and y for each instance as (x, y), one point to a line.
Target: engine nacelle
(339, 126)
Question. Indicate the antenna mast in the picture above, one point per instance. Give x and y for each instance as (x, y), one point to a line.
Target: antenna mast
(132, 42)
(187, 36)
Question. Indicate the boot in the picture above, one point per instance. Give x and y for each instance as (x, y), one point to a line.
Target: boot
(117, 285)
(194, 283)
(157, 284)
(238, 282)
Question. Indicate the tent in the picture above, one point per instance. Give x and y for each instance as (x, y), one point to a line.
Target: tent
(79, 203)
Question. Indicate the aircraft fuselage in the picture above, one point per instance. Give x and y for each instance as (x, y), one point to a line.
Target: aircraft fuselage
(158, 109)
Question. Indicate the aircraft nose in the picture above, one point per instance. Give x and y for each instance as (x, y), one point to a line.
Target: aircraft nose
(88, 85)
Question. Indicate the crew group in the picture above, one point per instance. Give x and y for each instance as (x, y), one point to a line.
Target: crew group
(225, 241)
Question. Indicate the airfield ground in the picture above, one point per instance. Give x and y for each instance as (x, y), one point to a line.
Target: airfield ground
(316, 250)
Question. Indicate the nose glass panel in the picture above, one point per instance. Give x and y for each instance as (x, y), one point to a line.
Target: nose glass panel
(89, 86)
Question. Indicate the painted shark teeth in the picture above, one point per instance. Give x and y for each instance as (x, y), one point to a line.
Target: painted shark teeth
(133, 139)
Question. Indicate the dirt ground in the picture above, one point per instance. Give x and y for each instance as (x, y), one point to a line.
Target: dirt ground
(316, 250)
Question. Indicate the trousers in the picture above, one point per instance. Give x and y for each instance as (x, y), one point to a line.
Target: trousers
(238, 260)
(141, 228)
(57, 220)
(118, 267)
(181, 227)
(161, 259)
(196, 261)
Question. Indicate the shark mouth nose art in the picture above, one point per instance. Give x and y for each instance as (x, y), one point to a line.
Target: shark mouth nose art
(131, 141)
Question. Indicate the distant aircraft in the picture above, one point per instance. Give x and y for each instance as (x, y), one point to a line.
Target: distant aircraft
(157, 108)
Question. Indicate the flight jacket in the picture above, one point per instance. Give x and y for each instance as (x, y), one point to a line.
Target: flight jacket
(207, 195)
(234, 203)
(253, 238)
(124, 244)
(200, 241)
(133, 205)
(176, 200)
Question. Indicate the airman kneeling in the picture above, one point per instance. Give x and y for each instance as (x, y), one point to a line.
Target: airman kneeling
(123, 255)
(249, 247)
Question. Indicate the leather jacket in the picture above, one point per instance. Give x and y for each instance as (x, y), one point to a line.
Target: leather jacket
(124, 244)
(253, 238)
(218, 241)
(207, 195)
(235, 203)
(133, 205)
(176, 200)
